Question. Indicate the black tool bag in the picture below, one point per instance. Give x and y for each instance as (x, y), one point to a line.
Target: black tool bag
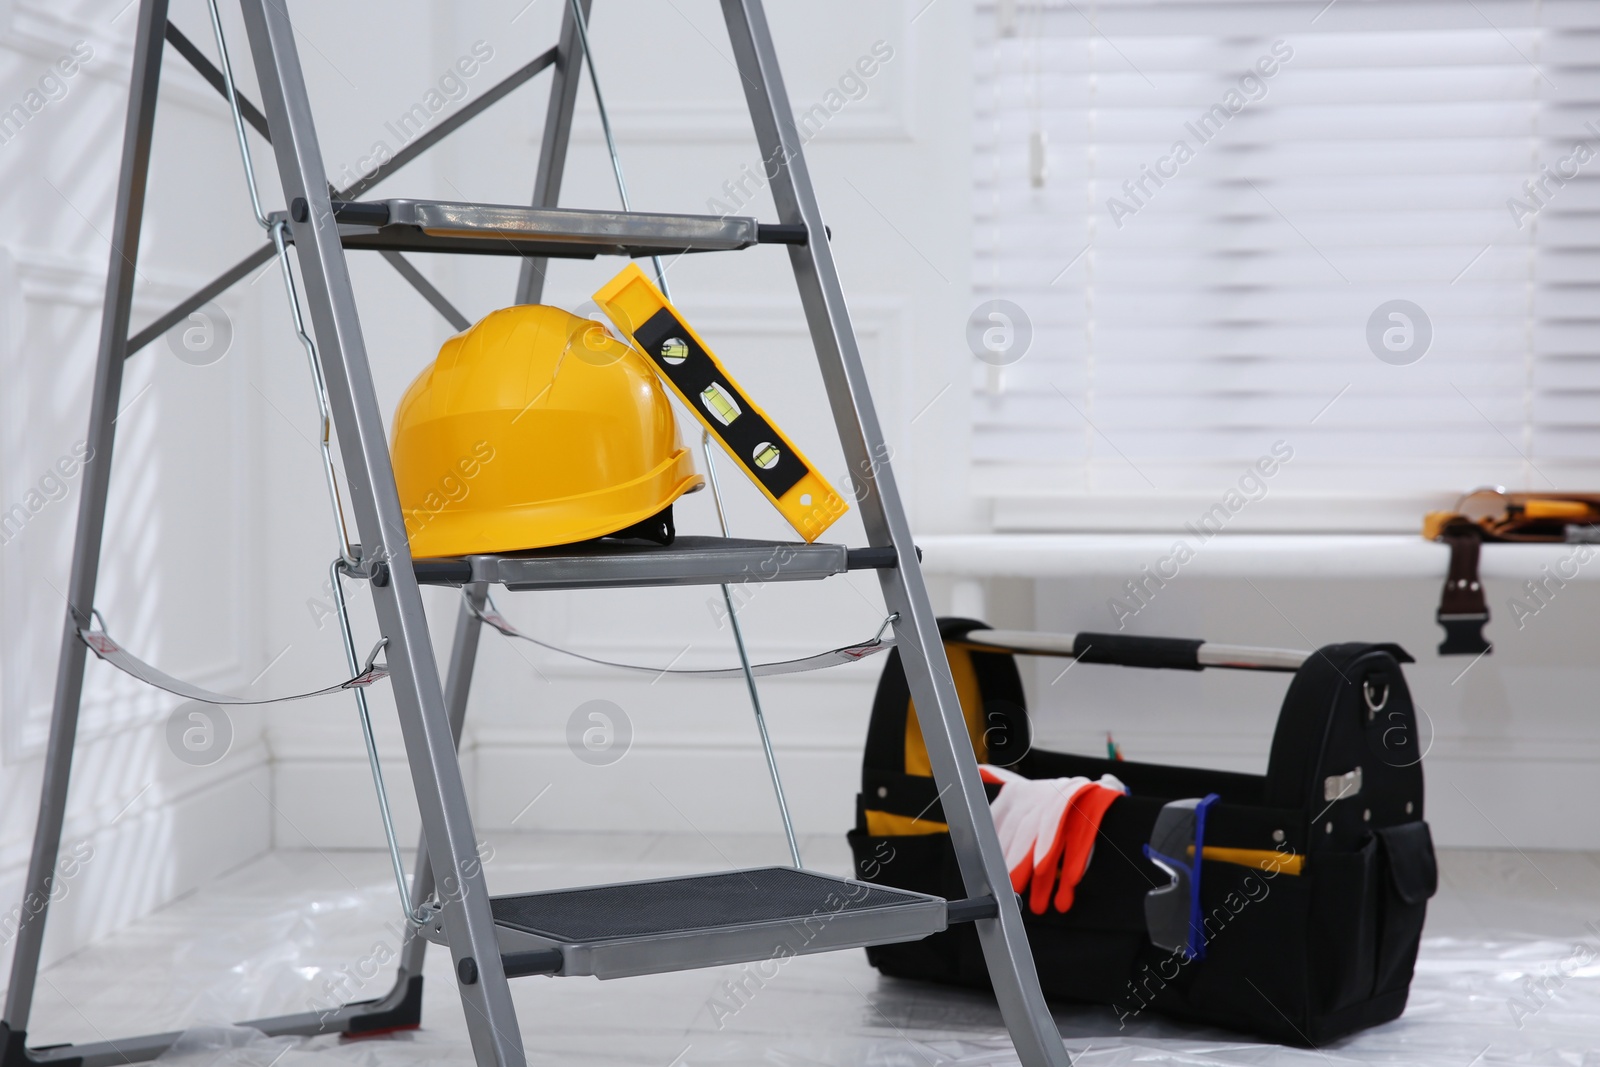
(1301, 951)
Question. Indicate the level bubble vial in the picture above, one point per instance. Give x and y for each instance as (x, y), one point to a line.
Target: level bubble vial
(674, 350)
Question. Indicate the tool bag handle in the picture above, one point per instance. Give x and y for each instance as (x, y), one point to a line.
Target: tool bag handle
(1130, 650)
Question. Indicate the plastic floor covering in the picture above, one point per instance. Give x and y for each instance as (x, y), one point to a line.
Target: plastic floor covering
(1509, 974)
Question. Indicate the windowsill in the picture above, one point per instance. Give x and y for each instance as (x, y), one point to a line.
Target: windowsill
(1328, 556)
(1281, 511)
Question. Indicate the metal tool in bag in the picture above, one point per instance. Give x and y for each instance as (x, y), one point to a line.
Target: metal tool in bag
(1173, 910)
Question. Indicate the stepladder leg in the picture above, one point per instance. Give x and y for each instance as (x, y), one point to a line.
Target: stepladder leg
(1004, 940)
(464, 914)
(950, 752)
(458, 685)
(111, 352)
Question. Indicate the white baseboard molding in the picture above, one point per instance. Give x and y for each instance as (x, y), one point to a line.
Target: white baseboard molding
(330, 804)
(1472, 801)
(541, 785)
(146, 858)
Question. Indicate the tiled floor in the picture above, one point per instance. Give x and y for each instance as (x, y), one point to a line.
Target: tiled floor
(299, 930)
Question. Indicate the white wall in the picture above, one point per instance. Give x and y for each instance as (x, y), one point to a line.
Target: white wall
(178, 580)
(892, 175)
(1507, 740)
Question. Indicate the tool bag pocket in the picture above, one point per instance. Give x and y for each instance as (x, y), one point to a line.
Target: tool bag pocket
(1306, 959)
(1367, 908)
(1078, 955)
(1413, 877)
(1254, 974)
(1344, 931)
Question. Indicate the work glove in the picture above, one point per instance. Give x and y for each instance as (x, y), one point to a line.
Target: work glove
(1047, 828)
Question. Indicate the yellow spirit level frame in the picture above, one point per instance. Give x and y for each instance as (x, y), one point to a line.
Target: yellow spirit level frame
(686, 363)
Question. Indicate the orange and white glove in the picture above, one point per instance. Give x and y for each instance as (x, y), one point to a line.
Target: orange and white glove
(1047, 828)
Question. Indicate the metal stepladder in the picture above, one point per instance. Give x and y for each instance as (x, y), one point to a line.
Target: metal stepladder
(609, 931)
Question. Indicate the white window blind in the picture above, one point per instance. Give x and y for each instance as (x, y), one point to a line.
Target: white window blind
(1199, 206)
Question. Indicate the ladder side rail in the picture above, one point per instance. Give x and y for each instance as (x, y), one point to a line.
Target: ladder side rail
(553, 144)
(457, 687)
(109, 363)
(977, 846)
(419, 699)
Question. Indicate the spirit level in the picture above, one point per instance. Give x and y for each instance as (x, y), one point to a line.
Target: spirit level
(779, 469)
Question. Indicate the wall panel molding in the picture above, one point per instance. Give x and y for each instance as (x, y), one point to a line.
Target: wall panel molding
(39, 283)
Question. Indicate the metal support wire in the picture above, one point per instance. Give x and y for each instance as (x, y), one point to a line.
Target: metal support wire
(280, 246)
(347, 554)
(336, 580)
(347, 561)
(705, 446)
(744, 662)
(238, 114)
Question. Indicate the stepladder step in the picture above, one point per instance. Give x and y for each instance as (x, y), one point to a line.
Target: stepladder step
(705, 920)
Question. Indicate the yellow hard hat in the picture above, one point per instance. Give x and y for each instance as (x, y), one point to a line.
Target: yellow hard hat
(532, 428)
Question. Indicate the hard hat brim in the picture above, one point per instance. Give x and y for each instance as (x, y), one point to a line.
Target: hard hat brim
(581, 517)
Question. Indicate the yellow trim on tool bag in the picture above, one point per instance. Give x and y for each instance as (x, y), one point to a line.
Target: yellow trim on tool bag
(1264, 859)
(966, 677)
(888, 824)
(810, 504)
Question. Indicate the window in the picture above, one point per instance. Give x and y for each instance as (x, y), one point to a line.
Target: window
(1365, 230)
